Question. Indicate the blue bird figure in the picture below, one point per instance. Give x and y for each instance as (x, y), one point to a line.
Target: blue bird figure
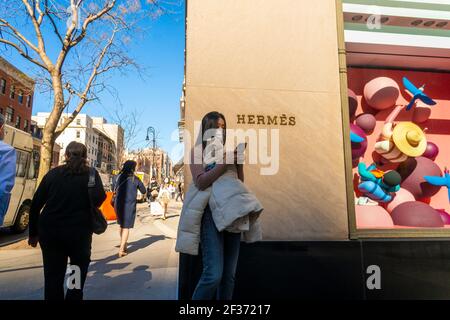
(440, 181)
(417, 94)
(355, 138)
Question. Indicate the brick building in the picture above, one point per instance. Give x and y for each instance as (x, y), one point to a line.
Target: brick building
(16, 96)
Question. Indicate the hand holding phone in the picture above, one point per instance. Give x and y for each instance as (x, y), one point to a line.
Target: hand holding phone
(239, 153)
(241, 146)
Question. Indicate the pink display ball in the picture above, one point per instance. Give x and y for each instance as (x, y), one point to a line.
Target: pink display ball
(424, 200)
(352, 102)
(431, 151)
(444, 216)
(367, 122)
(413, 171)
(400, 197)
(416, 214)
(422, 112)
(381, 93)
(370, 217)
(358, 149)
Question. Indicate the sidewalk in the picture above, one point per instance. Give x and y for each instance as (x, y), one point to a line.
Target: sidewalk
(149, 271)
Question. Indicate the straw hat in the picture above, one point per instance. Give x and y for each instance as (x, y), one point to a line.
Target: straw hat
(409, 139)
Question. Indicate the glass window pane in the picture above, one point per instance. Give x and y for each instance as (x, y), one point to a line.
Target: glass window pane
(21, 164)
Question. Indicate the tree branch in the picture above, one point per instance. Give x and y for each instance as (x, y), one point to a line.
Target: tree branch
(52, 21)
(41, 45)
(18, 35)
(23, 53)
(84, 96)
(91, 18)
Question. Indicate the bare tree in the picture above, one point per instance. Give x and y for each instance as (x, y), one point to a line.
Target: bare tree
(129, 121)
(90, 37)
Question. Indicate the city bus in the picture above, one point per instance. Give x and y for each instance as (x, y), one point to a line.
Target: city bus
(18, 213)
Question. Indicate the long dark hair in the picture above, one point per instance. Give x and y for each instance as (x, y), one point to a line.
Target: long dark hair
(210, 121)
(76, 158)
(128, 167)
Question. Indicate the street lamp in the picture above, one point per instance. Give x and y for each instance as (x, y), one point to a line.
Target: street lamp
(152, 131)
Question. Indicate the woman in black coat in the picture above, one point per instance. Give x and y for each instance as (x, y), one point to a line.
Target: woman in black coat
(125, 187)
(64, 227)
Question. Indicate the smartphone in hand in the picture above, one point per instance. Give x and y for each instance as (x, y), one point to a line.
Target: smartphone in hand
(241, 146)
(240, 158)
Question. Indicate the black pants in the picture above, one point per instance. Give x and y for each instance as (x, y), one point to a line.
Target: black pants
(56, 249)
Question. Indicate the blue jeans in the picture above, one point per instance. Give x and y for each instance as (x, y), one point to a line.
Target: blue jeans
(220, 252)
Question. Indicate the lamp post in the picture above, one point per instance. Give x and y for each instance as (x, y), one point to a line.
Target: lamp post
(152, 131)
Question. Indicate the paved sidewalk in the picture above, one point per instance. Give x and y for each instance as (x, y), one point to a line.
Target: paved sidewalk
(149, 271)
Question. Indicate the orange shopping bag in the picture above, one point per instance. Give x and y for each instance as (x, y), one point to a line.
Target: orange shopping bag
(107, 209)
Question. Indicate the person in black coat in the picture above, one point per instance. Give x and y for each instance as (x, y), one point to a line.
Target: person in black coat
(125, 188)
(60, 220)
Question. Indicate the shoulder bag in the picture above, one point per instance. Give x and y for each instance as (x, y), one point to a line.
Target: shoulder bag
(99, 223)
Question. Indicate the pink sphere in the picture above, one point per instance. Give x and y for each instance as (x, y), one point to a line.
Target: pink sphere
(372, 217)
(366, 121)
(444, 216)
(358, 149)
(400, 197)
(381, 93)
(431, 151)
(352, 102)
(416, 214)
(421, 113)
(413, 171)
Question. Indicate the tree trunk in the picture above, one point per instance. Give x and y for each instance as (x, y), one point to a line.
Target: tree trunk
(49, 136)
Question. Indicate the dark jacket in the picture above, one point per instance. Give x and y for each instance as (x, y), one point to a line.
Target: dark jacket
(65, 201)
(126, 187)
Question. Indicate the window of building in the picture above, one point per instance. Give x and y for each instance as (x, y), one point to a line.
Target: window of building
(25, 125)
(20, 97)
(12, 93)
(78, 134)
(18, 120)
(28, 101)
(9, 114)
(78, 122)
(2, 86)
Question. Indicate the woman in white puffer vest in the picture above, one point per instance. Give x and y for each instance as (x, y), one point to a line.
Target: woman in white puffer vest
(218, 209)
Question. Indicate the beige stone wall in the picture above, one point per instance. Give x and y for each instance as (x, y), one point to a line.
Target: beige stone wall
(264, 57)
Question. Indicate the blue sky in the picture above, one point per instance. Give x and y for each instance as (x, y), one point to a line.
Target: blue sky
(156, 97)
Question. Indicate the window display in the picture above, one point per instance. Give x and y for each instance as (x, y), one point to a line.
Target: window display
(400, 141)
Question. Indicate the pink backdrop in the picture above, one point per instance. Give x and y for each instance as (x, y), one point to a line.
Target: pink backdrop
(437, 86)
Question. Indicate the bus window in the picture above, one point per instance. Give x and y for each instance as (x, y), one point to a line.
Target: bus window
(33, 171)
(21, 163)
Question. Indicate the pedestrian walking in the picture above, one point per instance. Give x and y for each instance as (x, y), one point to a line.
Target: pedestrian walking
(164, 199)
(180, 191)
(172, 190)
(7, 171)
(61, 221)
(154, 189)
(125, 188)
